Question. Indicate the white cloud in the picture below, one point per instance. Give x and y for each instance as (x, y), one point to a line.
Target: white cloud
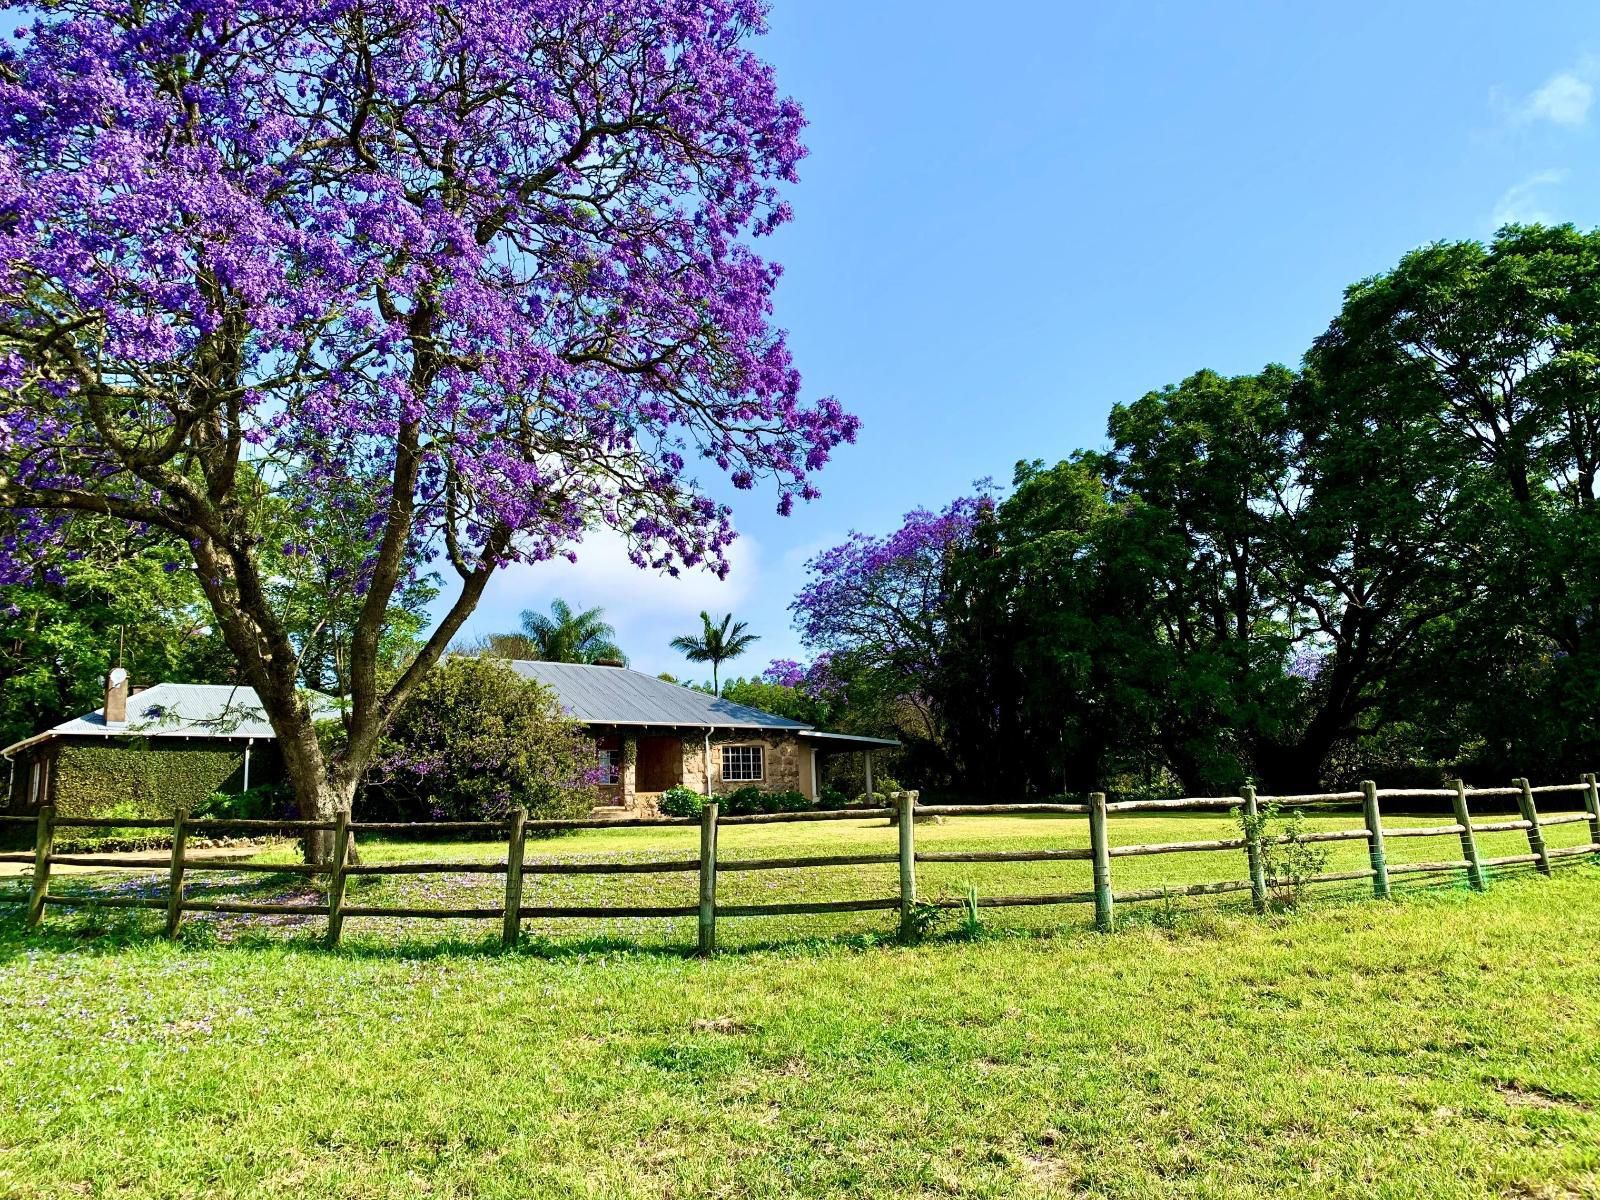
(603, 576)
(1522, 203)
(1564, 99)
(646, 608)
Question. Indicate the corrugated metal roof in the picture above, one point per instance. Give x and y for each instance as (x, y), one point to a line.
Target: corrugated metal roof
(217, 710)
(619, 696)
(594, 695)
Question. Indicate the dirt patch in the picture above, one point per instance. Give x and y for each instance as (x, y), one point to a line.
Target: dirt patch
(1531, 1095)
(1581, 1189)
(719, 1025)
(1044, 1171)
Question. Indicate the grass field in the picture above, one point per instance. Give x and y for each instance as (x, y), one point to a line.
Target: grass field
(1445, 1045)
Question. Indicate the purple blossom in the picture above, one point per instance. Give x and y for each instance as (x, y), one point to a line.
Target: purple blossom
(886, 592)
(1307, 664)
(515, 234)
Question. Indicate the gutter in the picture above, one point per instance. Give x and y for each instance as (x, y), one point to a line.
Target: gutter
(709, 728)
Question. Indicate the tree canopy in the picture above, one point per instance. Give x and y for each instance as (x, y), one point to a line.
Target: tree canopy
(1382, 562)
(463, 280)
(567, 636)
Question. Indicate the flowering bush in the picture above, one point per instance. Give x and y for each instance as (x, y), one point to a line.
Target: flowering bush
(477, 740)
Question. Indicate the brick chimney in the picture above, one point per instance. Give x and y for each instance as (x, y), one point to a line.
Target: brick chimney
(117, 697)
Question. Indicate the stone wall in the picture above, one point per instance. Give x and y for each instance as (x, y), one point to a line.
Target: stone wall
(786, 762)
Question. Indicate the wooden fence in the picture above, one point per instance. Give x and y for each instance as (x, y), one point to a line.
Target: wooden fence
(707, 865)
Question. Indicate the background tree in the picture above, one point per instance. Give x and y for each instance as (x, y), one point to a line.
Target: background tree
(716, 643)
(115, 598)
(873, 613)
(478, 272)
(501, 645)
(1499, 345)
(777, 691)
(1386, 563)
(570, 637)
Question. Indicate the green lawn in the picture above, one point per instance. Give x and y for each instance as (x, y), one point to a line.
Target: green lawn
(1445, 1045)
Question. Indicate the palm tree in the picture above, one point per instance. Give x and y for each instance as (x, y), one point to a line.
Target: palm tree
(716, 644)
(566, 636)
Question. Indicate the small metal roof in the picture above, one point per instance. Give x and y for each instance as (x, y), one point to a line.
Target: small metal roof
(620, 696)
(207, 710)
(855, 739)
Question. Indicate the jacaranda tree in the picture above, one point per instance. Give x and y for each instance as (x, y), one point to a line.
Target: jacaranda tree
(480, 270)
(873, 613)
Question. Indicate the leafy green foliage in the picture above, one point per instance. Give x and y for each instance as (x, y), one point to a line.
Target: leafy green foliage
(564, 636)
(59, 636)
(747, 800)
(259, 802)
(716, 643)
(476, 740)
(1268, 575)
(141, 782)
(682, 802)
(832, 799)
(1288, 860)
(782, 700)
(685, 802)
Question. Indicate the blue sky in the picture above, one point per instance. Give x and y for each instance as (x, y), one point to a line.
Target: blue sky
(1007, 224)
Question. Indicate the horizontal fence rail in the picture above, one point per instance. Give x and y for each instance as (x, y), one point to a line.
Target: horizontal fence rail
(1101, 853)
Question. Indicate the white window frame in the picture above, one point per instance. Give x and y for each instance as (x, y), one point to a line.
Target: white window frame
(755, 750)
(610, 761)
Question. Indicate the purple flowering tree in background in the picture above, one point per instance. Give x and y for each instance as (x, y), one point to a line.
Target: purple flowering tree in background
(873, 609)
(479, 272)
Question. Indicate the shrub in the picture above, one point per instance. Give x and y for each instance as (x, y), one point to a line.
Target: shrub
(831, 799)
(682, 802)
(476, 740)
(135, 781)
(1286, 858)
(262, 802)
(747, 800)
(743, 801)
(790, 801)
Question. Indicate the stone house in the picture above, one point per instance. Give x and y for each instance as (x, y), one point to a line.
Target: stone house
(171, 745)
(652, 735)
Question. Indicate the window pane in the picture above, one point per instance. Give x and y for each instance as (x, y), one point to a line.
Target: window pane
(742, 764)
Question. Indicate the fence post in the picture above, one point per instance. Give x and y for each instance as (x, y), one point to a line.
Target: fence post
(1469, 842)
(341, 852)
(515, 845)
(1374, 821)
(1252, 848)
(43, 842)
(1591, 801)
(1530, 814)
(708, 880)
(908, 861)
(1100, 847)
(180, 836)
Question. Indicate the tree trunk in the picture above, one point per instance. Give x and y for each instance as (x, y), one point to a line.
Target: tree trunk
(324, 804)
(319, 793)
(1293, 768)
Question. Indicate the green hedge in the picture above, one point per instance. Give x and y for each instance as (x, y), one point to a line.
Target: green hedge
(108, 781)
